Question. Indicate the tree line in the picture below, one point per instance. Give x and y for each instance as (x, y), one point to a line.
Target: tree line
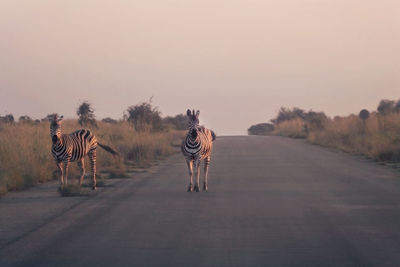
(143, 117)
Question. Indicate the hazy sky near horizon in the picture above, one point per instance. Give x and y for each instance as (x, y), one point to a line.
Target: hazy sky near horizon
(238, 61)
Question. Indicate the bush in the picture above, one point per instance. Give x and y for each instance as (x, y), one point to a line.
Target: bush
(25, 119)
(315, 121)
(261, 129)
(9, 118)
(145, 117)
(386, 107)
(179, 122)
(295, 122)
(109, 120)
(295, 128)
(286, 114)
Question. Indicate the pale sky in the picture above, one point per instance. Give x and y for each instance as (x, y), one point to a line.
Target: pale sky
(238, 61)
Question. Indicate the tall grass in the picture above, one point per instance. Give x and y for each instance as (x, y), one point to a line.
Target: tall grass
(378, 137)
(25, 151)
(25, 157)
(294, 128)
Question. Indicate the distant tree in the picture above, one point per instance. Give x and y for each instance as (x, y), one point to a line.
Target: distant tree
(86, 114)
(9, 118)
(179, 122)
(48, 117)
(261, 129)
(145, 117)
(386, 107)
(25, 119)
(315, 120)
(109, 120)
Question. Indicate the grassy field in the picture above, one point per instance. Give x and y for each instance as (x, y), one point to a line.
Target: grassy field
(378, 137)
(25, 151)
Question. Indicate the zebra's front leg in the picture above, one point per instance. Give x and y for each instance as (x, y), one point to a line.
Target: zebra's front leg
(66, 164)
(81, 164)
(197, 168)
(190, 168)
(60, 167)
(206, 164)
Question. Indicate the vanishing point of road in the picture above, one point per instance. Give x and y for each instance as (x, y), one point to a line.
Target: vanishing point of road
(272, 201)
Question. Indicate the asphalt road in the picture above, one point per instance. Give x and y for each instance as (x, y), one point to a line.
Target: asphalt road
(271, 202)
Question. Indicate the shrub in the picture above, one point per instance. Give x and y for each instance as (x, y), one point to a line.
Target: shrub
(145, 117)
(179, 122)
(286, 114)
(25, 119)
(315, 121)
(261, 129)
(109, 120)
(386, 106)
(295, 128)
(9, 118)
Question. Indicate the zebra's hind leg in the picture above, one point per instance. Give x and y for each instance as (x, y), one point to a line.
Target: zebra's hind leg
(206, 164)
(190, 168)
(81, 164)
(92, 158)
(197, 168)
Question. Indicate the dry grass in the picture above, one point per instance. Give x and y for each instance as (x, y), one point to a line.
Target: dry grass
(378, 137)
(291, 128)
(25, 151)
(24, 155)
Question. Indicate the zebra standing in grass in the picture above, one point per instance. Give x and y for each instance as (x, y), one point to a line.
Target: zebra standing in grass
(67, 148)
(197, 146)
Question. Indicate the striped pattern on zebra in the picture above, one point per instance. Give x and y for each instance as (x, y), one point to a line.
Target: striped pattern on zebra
(72, 147)
(197, 146)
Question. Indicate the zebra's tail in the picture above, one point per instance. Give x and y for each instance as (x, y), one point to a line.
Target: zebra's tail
(108, 149)
(213, 135)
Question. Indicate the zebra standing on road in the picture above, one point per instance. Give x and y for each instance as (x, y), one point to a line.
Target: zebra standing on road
(197, 146)
(72, 147)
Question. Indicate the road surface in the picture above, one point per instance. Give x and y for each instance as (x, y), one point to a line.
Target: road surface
(272, 201)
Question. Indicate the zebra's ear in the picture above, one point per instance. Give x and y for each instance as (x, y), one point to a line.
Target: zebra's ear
(60, 119)
(188, 113)
(197, 113)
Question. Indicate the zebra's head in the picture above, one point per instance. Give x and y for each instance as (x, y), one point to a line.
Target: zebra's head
(55, 127)
(193, 122)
